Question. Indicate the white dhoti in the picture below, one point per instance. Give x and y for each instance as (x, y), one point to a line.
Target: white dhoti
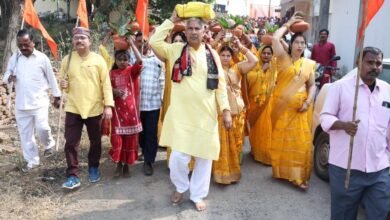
(29, 121)
(199, 183)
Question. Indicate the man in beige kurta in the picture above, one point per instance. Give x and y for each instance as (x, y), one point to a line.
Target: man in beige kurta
(191, 124)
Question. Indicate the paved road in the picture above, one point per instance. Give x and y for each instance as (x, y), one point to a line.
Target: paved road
(256, 196)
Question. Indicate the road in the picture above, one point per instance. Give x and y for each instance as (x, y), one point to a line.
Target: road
(256, 196)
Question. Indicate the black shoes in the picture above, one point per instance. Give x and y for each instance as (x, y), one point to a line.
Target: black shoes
(148, 169)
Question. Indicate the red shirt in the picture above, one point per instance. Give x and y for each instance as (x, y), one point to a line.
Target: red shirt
(322, 53)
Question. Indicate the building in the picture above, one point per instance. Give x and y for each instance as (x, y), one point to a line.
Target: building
(252, 8)
(48, 6)
(343, 26)
(342, 18)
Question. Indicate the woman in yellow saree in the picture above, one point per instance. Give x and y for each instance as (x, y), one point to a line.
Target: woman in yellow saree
(261, 82)
(291, 150)
(227, 169)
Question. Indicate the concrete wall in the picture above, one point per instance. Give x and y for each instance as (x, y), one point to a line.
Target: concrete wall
(343, 24)
(300, 5)
(51, 6)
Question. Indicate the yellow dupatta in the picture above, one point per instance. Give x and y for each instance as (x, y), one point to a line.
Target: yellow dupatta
(262, 98)
(289, 81)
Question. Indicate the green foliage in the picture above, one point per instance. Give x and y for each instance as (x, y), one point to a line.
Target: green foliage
(223, 22)
(271, 28)
(230, 21)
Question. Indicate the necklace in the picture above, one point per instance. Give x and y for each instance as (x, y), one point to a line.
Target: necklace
(297, 76)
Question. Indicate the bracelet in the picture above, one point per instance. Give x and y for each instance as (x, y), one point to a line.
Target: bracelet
(243, 50)
(307, 103)
(287, 26)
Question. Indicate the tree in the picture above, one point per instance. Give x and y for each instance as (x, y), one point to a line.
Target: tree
(12, 12)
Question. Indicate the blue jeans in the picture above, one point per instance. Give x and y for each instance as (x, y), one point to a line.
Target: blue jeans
(370, 189)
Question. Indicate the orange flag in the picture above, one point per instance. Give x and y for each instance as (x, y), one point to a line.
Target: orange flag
(141, 15)
(372, 8)
(30, 16)
(82, 13)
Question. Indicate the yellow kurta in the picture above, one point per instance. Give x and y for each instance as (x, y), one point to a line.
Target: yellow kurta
(261, 85)
(89, 85)
(291, 150)
(226, 169)
(191, 124)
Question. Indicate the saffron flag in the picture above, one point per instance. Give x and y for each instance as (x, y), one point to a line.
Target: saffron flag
(30, 16)
(141, 15)
(372, 8)
(82, 13)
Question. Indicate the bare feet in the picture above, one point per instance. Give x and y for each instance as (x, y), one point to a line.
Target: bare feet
(304, 186)
(176, 197)
(126, 171)
(200, 206)
(118, 170)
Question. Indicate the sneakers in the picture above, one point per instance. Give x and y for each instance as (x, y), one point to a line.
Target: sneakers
(49, 152)
(148, 169)
(94, 174)
(71, 183)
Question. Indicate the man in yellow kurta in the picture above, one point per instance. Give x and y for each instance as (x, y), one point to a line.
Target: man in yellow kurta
(191, 123)
(89, 99)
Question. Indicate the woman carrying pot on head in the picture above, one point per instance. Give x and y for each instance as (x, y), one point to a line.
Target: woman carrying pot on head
(261, 83)
(227, 169)
(291, 150)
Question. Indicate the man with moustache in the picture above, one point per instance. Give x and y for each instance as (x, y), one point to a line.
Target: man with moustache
(86, 80)
(33, 76)
(370, 179)
(191, 124)
(322, 53)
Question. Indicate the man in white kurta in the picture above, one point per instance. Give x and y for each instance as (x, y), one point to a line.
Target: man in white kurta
(191, 124)
(33, 76)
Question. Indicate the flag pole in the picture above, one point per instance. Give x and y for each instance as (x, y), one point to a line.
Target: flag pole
(364, 6)
(143, 29)
(77, 21)
(62, 91)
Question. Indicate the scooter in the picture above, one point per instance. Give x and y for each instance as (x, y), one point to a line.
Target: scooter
(320, 70)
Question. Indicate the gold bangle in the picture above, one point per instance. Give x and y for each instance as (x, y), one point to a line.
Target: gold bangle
(244, 50)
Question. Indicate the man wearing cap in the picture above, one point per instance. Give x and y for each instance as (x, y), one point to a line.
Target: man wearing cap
(85, 78)
(191, 124)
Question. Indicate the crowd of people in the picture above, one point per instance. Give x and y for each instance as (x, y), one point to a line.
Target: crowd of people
(209, 91)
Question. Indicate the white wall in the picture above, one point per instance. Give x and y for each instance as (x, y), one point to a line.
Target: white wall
(343, 25)
(51, 6)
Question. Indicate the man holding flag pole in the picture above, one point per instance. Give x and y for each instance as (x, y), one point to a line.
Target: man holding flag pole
(85, 78)
(31, 72)
(359, 146)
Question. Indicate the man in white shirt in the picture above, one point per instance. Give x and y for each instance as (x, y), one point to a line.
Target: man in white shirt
(31, 72)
